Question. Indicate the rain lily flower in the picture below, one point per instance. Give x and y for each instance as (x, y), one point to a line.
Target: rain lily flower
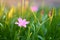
(34, 8)
(22, 22)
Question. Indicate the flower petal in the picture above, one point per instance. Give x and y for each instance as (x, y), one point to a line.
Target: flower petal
(19, 25)
(24, 26)
(34, 8)
(19, 19)
(27, 22)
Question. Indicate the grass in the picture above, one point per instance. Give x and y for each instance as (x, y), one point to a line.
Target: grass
(41, 27)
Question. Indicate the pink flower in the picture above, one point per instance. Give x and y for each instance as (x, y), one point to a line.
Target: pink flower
(22, 22)
(34, 8)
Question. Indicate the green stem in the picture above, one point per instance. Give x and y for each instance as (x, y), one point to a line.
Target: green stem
(44, 22)
(28, 37)
(35, 16)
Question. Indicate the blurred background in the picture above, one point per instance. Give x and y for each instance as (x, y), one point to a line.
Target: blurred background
(50, 3)
(43, 15)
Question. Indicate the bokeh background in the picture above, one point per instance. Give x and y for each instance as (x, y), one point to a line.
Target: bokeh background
(50, 3)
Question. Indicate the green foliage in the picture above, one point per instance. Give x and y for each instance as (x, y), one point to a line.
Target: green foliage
(39, 28)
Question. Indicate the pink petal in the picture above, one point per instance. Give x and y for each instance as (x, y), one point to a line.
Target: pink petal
(19, 19)
(27, 22)
(24, 21)
(24, 26)
(34, 8)
(19, 25)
